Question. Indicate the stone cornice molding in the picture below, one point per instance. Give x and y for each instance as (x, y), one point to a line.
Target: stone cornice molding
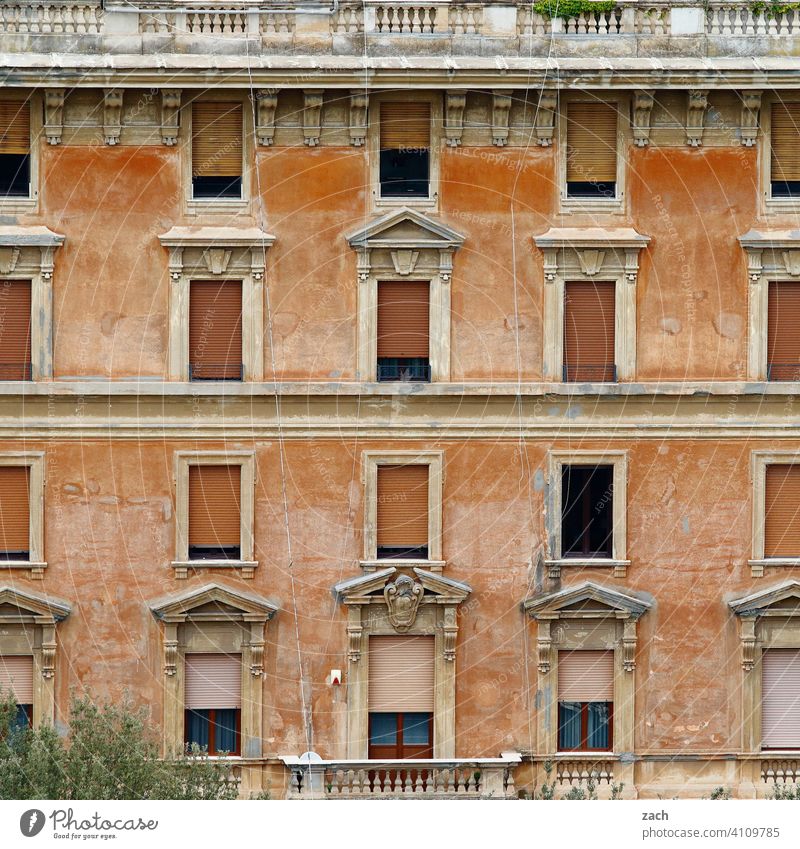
(42, 609)
(247, 607)
(426, 232)
(216, 248)
(762, 603)
(15, 242)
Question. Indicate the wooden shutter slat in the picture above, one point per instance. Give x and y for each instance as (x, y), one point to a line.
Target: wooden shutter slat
(401, 674)
(14, 508)
(213, 681)
(586, 676)
(405, 125)
(785, 141)
(15, 126)
(403, 506)
(589, 330)
(783, 339)
(780, 698)
(403, 319)
(782, 511)
(16, 676)
(591, 143)
(217, 139)
(15, 329)
(215, 329)
(214, 506)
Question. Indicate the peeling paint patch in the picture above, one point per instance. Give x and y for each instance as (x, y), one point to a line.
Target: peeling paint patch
(728, 325)
(538, 480)
(685, 524)
(670, 326)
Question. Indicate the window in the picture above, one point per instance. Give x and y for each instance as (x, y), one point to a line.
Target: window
(403, 321)
(591, 166)
(589, 332)
(585, 700)
(15, 514)
(215, 330)
(16, 677)
(213, 702)
(587, 511)
(785, 150)
(405, 142)
(780, 699)
(15, 330)
(15, 149)
(782, 510)
(402, 512)
(783, 340)
(217, 150)
(215, 512)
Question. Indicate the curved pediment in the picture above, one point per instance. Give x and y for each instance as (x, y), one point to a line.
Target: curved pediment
(16, 604)
(778, 600)
(405, 228)
(585, 599)
(214, 602)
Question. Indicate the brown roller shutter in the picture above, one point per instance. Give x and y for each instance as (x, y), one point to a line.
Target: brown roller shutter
(216, 139)
(16, 676)
(15, 510)
(591, 143)
(215, 330)
(405, 125)
(783, 338)
(15, 330)
(589, 331)
(401, 674)
(785, 142)
(213, 681)
(782, 511)
(214, 506)
(403, 506)
(780, 699)
(15, 126)
(586, 676)
(403, 319)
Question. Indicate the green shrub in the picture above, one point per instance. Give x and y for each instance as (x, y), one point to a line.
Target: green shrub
(785, 792)
(773, 10)
(571, 8)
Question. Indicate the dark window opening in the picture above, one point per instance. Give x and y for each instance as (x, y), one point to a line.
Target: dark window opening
(396, 552)
(786, 189)
(409, 369)
(215, 730)
(15, 555)
(216, 371)
(213, 552)
(404, 172)
(210, 188)
(15, 175)
(591, 190)
(400, 736)
(585, 726)
(587, 511)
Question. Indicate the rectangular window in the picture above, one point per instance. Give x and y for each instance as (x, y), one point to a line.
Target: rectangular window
(403, 335)
(402, 515)
(215, 512)
(783, 339)
(213, 702)
(587, 496)
(591, 150)
(15, 149)
(15, 516)
(782, 510)
(217, 134)
(785, 150)
(15, 330)
(589, 316)
(780, 699)
(215, 330)
(585, 700)
(405, 141)
(16, 677)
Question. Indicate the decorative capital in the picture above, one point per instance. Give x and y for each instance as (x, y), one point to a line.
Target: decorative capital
(629, 645)
(450, 628)
(312, 116)
(170, 115)
(112, 115)
(751, 108)
(643, 101)
(747, 636)
(455, 101)
(501, 107)
(54, 114)
(216, 260)
(695, 116)
(546, 118)
(544, 644)
(359, 105)
(266, 104)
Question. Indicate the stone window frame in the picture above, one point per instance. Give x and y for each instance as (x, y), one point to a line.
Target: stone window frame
(612, 206)
(590, 254)
(29, 204)
(34, 460)
(771, 206)
(246, 460)
(618, 460)
(759, 460)
(430, 203)
(370, 461)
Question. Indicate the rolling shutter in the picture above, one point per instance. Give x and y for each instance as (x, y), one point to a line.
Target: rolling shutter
(782, 511)
(216, 139)
(401, 674)
(780, 699)
(15, 329)
(403, 506)
(405, 125)
(14, 509)
(589, 331)
(591, 143)
(783, 340)
(213, 681)
(16, 676)
(215, 330)
(15, 126)
(586, 676)
(785, 142)
(214, 511)
(403, 319)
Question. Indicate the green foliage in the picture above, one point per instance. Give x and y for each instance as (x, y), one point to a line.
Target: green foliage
(773, 10)
(571, 8)
(720, 793)
(785, 792)
(588, 793)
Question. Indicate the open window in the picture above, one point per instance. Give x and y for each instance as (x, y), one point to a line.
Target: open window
(16, 679)
(15, 149)
(405, 155)
(217, 149)
(403, 331)
(213, 702)
(585, 701)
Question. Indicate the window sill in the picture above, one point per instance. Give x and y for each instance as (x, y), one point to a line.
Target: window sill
(620, 567)
(776, 205)
(216, 206)
(12, 205)
(182, 567)
(375, 565)
(757, 566)
(612, 206)
(399, 203)
(36, 567)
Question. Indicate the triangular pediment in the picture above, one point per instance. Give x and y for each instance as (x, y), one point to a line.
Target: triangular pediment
(778, 600)
(214, 601)
(584, 599)
(371, 587)
(406, 228)
(15, 603)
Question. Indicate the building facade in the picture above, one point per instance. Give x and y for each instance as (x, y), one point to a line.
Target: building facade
(392, 381)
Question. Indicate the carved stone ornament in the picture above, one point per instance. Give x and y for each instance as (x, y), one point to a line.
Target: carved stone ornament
(8, 259)
(404, 261)
(546, 118)
(544, 644)
(359, 103)
(54, 114)
(266, 104)
(256, 658)
(170, 115)
(170, 657)
(642, 108)
(629, 645)
(748, 639)
(501, 107)
(216, 260)
(112, 115)
(354, 633)
(455, 101)
(591, 261)
(751, 107)
(695, 116)
(402, 601)
(791, 259)
(312, 116)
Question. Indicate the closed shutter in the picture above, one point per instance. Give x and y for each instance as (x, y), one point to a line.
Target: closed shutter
(589, 331)
(15, 329)
(215, 330)
(403, 506)
(213, 681)
(783, 339)
(401, 674)
(780, 699)
(16, 676)
(216, 139)
(214, 511)
(591, 143)
(403, 319)
(405, 125)
(785, 142)
(15, 509)
(586, 676)
(782, 511)
(15, 126)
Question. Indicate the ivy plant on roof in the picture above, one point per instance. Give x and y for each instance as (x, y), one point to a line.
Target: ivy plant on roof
(572, 8)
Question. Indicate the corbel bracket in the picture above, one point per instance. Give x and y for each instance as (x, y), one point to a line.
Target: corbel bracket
(54, 114)
(266, 104)
(112, 115)
(359, 104)
(695, 116)
(642, 109)
(501, 107)
(312, 116)
(454, 117)
(751, 109)
(170, 115)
